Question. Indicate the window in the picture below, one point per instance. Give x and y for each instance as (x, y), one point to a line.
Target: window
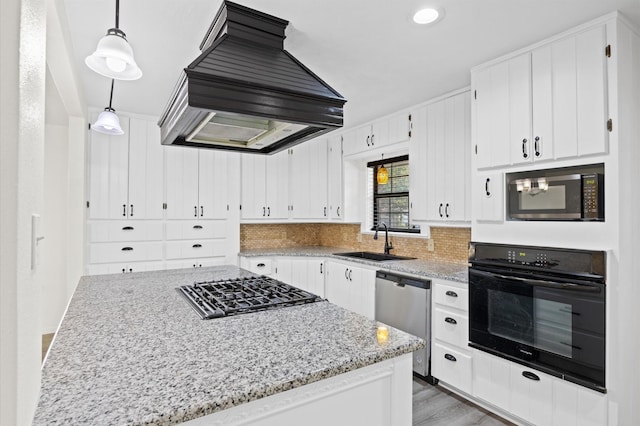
(391, 200)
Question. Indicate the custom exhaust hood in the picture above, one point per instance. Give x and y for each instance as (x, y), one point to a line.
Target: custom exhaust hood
(246, 93)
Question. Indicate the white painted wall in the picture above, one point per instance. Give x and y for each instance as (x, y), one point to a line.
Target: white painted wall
(22, 49)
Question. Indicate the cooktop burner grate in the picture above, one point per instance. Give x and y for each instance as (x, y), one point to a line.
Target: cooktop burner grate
(221, 298)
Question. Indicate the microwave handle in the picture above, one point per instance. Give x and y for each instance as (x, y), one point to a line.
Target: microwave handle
(543, 283)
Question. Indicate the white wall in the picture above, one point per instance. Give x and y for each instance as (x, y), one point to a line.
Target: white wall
(22, 49)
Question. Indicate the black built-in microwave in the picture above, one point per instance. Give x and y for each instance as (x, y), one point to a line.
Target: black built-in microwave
(545, 195)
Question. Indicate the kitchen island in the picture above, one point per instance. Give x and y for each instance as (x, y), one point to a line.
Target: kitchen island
(130, 350)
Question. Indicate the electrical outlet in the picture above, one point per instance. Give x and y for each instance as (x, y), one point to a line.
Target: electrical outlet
(430, 245)
(284, 235)
(359, 238)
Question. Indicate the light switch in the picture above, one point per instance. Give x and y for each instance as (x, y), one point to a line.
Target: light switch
(36, 238)
(430, 245)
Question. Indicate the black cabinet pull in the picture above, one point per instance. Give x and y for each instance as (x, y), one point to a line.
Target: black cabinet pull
(338, 211)
(440, 210)
(450, 320)
(197, 226)
(486, 187)
(368, 140)
(196, 245)
(264, 211)
(350, 271)
(124, 270)
(536, 145)
(451, 293)
(195, 211)
(131, 210)
(446, 210)
(450, 357)
(531, 376)
(260, 265)
(124, 210)
(372, 136)
(127, 228)
(269, 211)
(346, 273)
(201, 211)
(320, 267)
(127, 248)
(524, 148)
(325, 212)
(130, 269)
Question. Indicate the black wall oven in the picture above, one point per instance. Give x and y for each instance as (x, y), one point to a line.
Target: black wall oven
(541, 307)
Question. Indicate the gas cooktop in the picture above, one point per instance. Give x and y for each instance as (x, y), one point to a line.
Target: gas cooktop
(222, 298)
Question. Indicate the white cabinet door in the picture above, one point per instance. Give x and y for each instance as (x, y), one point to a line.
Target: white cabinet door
(108, 174)
(277, 185)
(337, 284)
(300, 182)
(542, 110)
(520, 109)
(399, 128)
(380, 133)
(182, 183)
(254, 170)
(315, 276)
(451, 366)
(418, 165)
(146, 175)
(531, 395)
(363, 296)
(318, 186)
(489, 197)
(334, 178)
(212, 184)
(283, 269)
(491, 377)
(575, 405)
(435, 160)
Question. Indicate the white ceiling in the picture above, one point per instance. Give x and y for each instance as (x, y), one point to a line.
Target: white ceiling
(368, 50)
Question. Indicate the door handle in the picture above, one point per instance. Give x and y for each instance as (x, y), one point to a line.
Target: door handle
(486, 187)
(368, 141)
(450, 320)
(197, 226)
(325, 212)
(350, 271)
(127, 228)
(536, 145)
(440, 209)
(450, 357)
(524, 148)
(260, 265)
(321, 267)
(201, 211)
(338, 211)
(372, 136)
(264, 211)
(269, 211)
(131, 210)
(127, 248)
(124, 210)
(446, 210)
(195, 211)
(346, 272)
(451, 293)
(196, 245)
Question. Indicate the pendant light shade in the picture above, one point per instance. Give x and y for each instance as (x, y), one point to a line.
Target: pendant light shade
(108, 122)
(382, 176)
(113, 57)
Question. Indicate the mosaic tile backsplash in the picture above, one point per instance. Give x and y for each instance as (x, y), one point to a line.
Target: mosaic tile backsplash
(450, 244)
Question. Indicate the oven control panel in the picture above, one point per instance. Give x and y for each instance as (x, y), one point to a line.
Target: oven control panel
(532, 258)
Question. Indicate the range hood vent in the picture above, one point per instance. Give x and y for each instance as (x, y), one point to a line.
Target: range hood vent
(246, 93)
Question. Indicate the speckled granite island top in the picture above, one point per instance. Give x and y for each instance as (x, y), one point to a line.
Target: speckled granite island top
(130, 351)
(426, 268)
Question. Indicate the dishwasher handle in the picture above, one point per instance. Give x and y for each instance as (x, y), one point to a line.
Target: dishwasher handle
(404, 280)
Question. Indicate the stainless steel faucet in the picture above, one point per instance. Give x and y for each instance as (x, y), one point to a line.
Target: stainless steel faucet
(387, 245)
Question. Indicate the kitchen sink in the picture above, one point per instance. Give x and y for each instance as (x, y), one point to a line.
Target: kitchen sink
(377, 257)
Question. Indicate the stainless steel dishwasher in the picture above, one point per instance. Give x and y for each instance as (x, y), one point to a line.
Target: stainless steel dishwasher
(404, 302)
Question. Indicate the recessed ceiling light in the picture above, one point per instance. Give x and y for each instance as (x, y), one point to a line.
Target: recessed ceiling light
(426, 16)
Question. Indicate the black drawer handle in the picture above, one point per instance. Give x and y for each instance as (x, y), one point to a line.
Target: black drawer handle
(261, 265)
(127, 248)
(127, 228)
(450, 357)
(531, 376)
(196, 245)
(197, 226)
(451, 293)
(450, 320)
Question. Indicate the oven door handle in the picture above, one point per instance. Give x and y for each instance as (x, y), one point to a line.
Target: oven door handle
(587, 288)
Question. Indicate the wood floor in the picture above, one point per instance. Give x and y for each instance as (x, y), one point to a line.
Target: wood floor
(436, 406)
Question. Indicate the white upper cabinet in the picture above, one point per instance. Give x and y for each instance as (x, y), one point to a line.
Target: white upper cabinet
(265, 186)
(125, 172)
(380, 133)
(334, 178)
(546, 104)
(440, 160)
(197, 186)
(309, 180)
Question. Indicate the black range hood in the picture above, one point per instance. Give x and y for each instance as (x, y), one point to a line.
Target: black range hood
(246, 93)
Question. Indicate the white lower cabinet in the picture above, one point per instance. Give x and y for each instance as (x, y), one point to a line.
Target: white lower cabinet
(124, 268)
(351, 287)
(195, 263)
(451, 360)
(533, 396)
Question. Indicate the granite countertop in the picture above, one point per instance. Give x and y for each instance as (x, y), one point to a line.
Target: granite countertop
(426, 268)
(131, 351)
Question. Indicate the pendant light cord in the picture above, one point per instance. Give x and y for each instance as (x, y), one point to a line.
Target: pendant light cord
(117, 13)
(111, 96)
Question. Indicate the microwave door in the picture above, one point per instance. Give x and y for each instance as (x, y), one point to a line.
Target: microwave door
(547, 198)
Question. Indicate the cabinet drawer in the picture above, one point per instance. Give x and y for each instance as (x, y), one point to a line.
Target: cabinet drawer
(530, 396)
(196, 229)
(125, 230)
(195, 249)
(260, 265)
(196, 263)
(451, 366)
(120, 268)
(124, 252)
(448, 295)
(451, 327)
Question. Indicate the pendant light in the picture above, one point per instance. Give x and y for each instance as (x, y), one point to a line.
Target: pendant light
(108, 122)
(113, 57)
(383, 175)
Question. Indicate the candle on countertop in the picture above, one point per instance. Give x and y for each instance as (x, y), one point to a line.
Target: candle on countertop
(382, 334)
